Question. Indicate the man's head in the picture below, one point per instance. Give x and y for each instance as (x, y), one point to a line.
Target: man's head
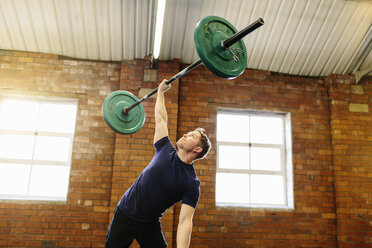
(196, 142)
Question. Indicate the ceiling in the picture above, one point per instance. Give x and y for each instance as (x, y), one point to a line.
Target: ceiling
(300, 37)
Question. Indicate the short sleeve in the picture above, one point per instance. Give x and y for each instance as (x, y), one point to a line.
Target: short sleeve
(161, 143)
(192, 194)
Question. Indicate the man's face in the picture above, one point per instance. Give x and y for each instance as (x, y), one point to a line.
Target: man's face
(189, 141)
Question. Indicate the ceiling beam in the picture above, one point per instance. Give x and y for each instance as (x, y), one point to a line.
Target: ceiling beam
(363, 51)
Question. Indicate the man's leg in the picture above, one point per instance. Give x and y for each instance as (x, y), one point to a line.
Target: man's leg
(119, 235)
(151, 236)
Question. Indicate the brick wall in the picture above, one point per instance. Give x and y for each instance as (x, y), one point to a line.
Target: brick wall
(82, 220)
(331, 137)
(351, 125)
(312, 223)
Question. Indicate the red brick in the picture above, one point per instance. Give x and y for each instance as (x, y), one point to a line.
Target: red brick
(331, 154)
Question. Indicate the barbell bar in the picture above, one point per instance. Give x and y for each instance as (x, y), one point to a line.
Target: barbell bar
(178, 75)
(220, 48)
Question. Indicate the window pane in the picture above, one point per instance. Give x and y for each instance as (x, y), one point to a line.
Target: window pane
(14, 179)
(231, 127)
(18, 114)
(267, 189)
(57, 117)
(232, 188)
(52, 148)
(264, 158)
(233, 157)
(268, 130)
(16, 146)
(49, 181)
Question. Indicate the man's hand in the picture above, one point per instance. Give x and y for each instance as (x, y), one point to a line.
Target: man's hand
(163, 87)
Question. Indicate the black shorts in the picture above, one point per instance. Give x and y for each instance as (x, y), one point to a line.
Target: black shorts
(123, 230)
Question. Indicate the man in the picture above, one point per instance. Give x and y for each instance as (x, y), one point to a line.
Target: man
(170, 177)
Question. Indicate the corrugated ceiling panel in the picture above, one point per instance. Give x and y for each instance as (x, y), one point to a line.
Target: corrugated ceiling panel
(271, 34)
(103, 26)
(12, 26)
(350, 33)
(232, 11)
(78, 31)
(135, 29)
(143, 28)
(128, 28)
(193, 18)
(90, 27)
(117, 22)
(255, 41)
(262, 47)
(289, 32)
(322, 36)
(27, 29)
(317, 21)
(5, 39)
(172, 27)
(357, 31)
(220, 8)
(64, 25)
(301, 28)
(315, 38)
(177, 37)
(336, 34)
(276, 29)
(52, 26)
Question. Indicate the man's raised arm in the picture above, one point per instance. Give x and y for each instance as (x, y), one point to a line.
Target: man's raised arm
(161, 117)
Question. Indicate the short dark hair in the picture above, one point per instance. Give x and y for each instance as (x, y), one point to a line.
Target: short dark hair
(204, 142)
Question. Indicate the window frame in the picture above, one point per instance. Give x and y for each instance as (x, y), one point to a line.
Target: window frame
(286, 160)
(36, 133)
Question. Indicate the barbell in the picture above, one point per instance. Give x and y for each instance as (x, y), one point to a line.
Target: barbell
(220, 49)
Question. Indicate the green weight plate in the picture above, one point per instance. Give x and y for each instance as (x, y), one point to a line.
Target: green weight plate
(208, 34)
(112, 110)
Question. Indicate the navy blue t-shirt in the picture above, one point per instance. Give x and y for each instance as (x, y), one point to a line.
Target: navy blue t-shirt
(164, 182)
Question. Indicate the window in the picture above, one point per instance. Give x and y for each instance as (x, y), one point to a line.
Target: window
(254, 167)
(36, 137)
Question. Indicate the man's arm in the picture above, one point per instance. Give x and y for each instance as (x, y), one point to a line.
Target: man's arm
(185, 226)
(161, 118)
